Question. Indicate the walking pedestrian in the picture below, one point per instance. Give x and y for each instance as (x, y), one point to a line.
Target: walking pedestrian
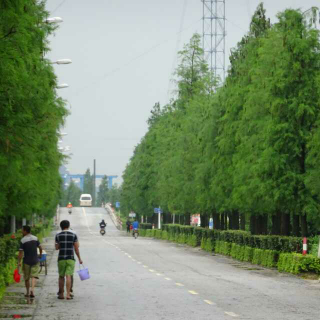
(128, 223)
(29, 245)
(67, 243)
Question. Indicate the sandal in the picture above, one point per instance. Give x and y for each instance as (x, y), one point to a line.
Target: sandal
(70, 298)
(61, 297)
(32, 295)
(27, 295)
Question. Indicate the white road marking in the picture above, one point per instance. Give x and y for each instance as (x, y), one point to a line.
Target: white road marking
(168, 279)
(179, 284)
(193, 292)
(159, 274)
(151, 270)
(145, 266)
(232, 314)
(139, 262)
(208, 302)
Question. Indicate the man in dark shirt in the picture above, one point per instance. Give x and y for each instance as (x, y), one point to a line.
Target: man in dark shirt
(66, 242)
(29, 250)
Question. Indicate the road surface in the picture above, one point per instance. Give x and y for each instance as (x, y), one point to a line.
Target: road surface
(154, 279)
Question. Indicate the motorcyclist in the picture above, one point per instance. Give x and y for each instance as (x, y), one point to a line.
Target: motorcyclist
(69, 205)
(102, 224)
(135, 226)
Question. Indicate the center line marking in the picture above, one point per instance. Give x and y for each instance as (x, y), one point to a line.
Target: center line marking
(145, 266)
(193, 292)
(138, 262)
(168, 279)
(179, 284)
(159, 274)
(208, 301)
(151, 270)
(232, 314)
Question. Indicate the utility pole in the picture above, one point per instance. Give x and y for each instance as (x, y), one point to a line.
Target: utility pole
(94, 184)
(214, 36)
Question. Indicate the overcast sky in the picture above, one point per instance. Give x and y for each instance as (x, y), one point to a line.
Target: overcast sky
(123, 54)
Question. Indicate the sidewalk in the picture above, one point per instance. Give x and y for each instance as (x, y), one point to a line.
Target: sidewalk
(14, 303)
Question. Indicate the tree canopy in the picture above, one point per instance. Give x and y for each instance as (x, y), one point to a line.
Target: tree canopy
(246, 153)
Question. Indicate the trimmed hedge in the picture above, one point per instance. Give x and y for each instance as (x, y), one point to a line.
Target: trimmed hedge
(269, 251)
(144, 226)
(297, 263)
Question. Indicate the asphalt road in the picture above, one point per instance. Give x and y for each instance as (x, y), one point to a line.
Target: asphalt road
(154, 279)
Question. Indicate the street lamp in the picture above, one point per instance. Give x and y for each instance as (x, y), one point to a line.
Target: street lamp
(62, 86)
(62, 61)
(54, 20)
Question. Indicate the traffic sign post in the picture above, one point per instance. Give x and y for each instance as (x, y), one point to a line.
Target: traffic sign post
(211, 223)
(132, 215)
(158, 211)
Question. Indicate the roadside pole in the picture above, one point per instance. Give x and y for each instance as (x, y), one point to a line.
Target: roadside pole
(159, 218)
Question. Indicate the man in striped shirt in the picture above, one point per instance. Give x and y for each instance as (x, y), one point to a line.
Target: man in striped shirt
(67, 243)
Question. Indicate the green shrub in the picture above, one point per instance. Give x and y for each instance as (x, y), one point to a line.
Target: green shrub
(223, 247)
(192, 240)
(164, 235)
(297, 263)
(145, 226)
(142, 232)
(257, 256)
(158, 234)
(248, 254)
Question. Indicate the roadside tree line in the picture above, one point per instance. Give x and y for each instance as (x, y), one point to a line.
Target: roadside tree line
(31, 115)
(247, 153)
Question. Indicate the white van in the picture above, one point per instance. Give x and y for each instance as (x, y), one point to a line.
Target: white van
(86, 200)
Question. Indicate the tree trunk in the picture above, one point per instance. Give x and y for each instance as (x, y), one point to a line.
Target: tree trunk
(285, 224)
(253, 224)
(263, 224)
(296, 225)
(187, 219)
(204, 220)
(222, 226)
(304, 225)
(226, 222)
(276, 224)
(216, 220)
(243, 221)
(230, 220)
(235, 222)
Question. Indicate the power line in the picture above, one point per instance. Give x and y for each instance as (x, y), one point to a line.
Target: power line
(184, 9)
(110, 73)
(60, 5)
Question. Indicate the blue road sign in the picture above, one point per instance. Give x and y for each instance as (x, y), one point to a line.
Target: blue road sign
(117, 204)
(157, 210)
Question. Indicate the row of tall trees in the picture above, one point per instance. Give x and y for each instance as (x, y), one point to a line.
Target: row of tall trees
(31, 114)
(247, 153)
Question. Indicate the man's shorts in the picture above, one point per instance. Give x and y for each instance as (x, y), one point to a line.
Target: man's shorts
(66, 267)
(30, 271)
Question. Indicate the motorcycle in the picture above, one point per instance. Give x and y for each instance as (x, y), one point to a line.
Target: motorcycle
(102, 231)
(70, 210)
(135, 233)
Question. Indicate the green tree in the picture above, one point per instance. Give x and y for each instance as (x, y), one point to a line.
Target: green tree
(103, 192)
(88, 183)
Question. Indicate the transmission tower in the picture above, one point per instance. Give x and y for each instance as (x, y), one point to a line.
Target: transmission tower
(214, 36)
